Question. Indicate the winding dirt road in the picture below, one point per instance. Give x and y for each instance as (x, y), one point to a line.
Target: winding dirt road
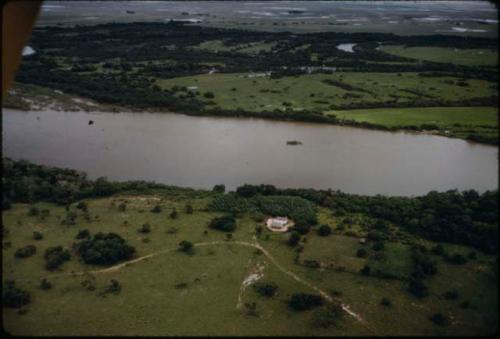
(255, 245)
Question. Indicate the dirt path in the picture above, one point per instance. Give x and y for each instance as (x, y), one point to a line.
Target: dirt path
(273, 260)
(255, 245)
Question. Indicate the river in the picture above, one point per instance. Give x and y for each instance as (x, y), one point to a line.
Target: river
(203, 151)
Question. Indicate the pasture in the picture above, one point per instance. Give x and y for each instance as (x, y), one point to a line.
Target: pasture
(174, 293)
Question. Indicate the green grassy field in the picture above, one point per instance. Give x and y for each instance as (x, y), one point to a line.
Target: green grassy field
(248, 48)
(456, 121)
(469, 57)
(442, 116)
(151, 304)
(256, 92)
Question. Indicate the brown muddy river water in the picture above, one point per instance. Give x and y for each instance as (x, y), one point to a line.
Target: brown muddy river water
(201, 152)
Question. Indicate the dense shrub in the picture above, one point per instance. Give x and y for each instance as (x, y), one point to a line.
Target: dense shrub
(456, 259)
(440, 319)
(14, 297)
(230, 203)
(438, 250)
(55, 257)
(114, 287)
(294, 238)
(219, 188)
(299, 209)
(324, 230)
(173, 214)
(301, 228)
(33, 211)
(45, 284)
(327, 316)
(361, 253)
(225, 223)
(37, 235)
(82, 234)
(145, 228)
(418, 288)
(386, 302)
(25, 252)
(105, 249)
(305, 301)
(266, 289)
(451, 295)
(378, 246)
(156, 209)
(82, 206)
(423, 264)
(366, 270)
(186, 246)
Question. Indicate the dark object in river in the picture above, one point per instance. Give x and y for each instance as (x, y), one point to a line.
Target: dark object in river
(130, 12)
(91, 122)
(293, 142)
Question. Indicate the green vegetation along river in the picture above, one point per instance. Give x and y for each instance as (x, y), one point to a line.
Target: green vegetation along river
(204, 151)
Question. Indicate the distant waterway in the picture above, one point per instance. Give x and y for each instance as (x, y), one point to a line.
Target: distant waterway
(203, 151)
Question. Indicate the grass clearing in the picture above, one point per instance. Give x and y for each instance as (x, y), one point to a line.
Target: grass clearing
(441, 116)
(468, 57)
(257, 92)
(178, 294)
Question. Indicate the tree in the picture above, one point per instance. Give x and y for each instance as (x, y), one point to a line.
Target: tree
(25, 252)
(456, 259)
(386, 302)
(83, 234)
(173, 214)
(82, 206)
(324, 230)
(69, 219)
(266, 289)
(14, 297)
(365, 270)
(451, 295)
(327, 316)
(186, 246)
(145, 228)
(294, 238)
(361, 253)
(378, 246)
(225, 223)
(418, 288)
(219, 188)
(104, 249)
(258, 231)
(305, 301)
(37, 235)
(301, 227)
(45, 284)
(122, 207)
(440, 319)
(438, 250)
(55, 257)
(33, 211)
(114, 287)
(246, 191)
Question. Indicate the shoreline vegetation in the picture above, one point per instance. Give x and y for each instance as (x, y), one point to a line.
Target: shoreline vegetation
(26, 182)
(206, 71)
(65, 103)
